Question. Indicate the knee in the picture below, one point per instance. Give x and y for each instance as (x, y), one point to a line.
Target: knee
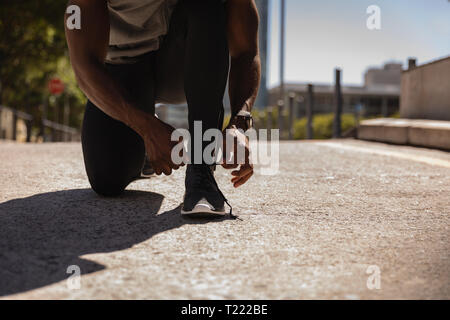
(107, 186)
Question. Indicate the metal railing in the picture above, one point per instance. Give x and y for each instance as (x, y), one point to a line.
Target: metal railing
(50, 131)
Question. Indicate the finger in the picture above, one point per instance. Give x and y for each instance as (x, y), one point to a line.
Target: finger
(243, 180)
(177, 165)
(173, 165)
(156, 166)
(244, 170)
(167, 168)
(236, 179)
(229, 160)
(241, 183)
(229, 157)
(247, 156)
(243, 153)
(229, 166)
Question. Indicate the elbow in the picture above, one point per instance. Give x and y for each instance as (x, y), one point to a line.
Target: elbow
(80, 76)
(83, 68)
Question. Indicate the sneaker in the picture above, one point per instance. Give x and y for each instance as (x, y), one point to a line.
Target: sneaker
(203, 197)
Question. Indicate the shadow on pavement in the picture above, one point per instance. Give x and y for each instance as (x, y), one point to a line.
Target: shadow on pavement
(40, 236)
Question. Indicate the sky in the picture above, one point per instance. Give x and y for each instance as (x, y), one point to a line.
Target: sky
(324, 34)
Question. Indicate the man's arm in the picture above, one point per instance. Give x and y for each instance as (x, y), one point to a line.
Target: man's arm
(245, 73)
(88, 47)
(245, 76)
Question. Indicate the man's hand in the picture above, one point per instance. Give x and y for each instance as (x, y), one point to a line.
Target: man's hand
(157, 138)
(240, 155)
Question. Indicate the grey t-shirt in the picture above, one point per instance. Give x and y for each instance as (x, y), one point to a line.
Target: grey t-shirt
(136, 27)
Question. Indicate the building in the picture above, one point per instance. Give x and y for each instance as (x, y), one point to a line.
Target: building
(378, 96)
(424, 109)
(425, 90)
(390, 74)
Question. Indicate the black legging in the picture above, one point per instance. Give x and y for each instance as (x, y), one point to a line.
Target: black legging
(191, 65)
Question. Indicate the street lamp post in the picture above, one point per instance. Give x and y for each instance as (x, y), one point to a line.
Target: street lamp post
(337, 105)
(282, 98)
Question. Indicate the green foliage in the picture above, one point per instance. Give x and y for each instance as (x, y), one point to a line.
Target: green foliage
(323, 126)
(322, 123)
(259, 118)
(33, 50)
(262, 120)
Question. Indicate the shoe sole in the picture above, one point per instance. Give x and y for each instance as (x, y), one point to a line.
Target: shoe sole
(203, 211)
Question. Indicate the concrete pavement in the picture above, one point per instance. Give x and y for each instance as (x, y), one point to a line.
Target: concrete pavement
(310, 232)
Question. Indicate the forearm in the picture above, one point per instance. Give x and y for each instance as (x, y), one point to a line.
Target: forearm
(244, 81)
(108, 95)
(245, 73)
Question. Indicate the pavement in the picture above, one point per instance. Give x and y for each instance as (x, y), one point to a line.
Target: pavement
(343, 219)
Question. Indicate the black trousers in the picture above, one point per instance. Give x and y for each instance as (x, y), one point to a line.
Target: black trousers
(190, 66)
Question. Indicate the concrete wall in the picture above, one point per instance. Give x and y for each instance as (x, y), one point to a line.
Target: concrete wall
(425, 92)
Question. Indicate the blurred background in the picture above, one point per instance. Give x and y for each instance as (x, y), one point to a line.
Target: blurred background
(328, 67)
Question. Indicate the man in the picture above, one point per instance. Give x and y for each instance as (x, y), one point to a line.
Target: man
(130, 54)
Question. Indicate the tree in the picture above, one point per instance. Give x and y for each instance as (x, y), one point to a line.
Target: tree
(32, 50)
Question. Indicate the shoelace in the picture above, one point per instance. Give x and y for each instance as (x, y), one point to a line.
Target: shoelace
(234, 217)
